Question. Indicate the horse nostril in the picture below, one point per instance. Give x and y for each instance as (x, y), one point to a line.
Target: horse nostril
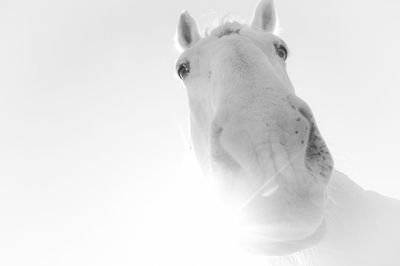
(216, 131)
(318, 158)
(314, 141)
(215, 134)
(305, 113)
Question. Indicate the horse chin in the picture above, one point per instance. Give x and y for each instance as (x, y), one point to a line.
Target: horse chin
(260, 244)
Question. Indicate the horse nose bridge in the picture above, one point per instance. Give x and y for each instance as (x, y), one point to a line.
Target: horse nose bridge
(258, 120)
(288, 120)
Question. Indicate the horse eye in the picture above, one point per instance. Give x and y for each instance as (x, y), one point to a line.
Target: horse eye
(281, 51)
(183, 70)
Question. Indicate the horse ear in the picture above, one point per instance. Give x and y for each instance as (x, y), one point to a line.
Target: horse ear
(265, 16)
(187, 33)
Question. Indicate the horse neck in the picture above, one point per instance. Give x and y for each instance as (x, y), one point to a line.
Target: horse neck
(343, 195)
(362, 230)
(362, 226)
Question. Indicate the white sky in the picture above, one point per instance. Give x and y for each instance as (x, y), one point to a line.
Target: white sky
(91, 113)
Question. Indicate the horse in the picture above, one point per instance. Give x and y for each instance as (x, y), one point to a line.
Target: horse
(260, 144)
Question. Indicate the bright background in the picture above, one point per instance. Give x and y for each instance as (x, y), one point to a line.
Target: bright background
(93, 120)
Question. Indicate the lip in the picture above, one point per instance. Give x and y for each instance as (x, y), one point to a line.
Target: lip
(261, 245)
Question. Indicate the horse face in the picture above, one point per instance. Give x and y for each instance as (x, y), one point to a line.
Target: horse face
(249, 130)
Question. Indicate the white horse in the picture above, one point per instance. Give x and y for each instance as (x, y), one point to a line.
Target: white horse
(261, 145)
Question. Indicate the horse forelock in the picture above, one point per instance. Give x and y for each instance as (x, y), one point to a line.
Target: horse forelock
(225, 28)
